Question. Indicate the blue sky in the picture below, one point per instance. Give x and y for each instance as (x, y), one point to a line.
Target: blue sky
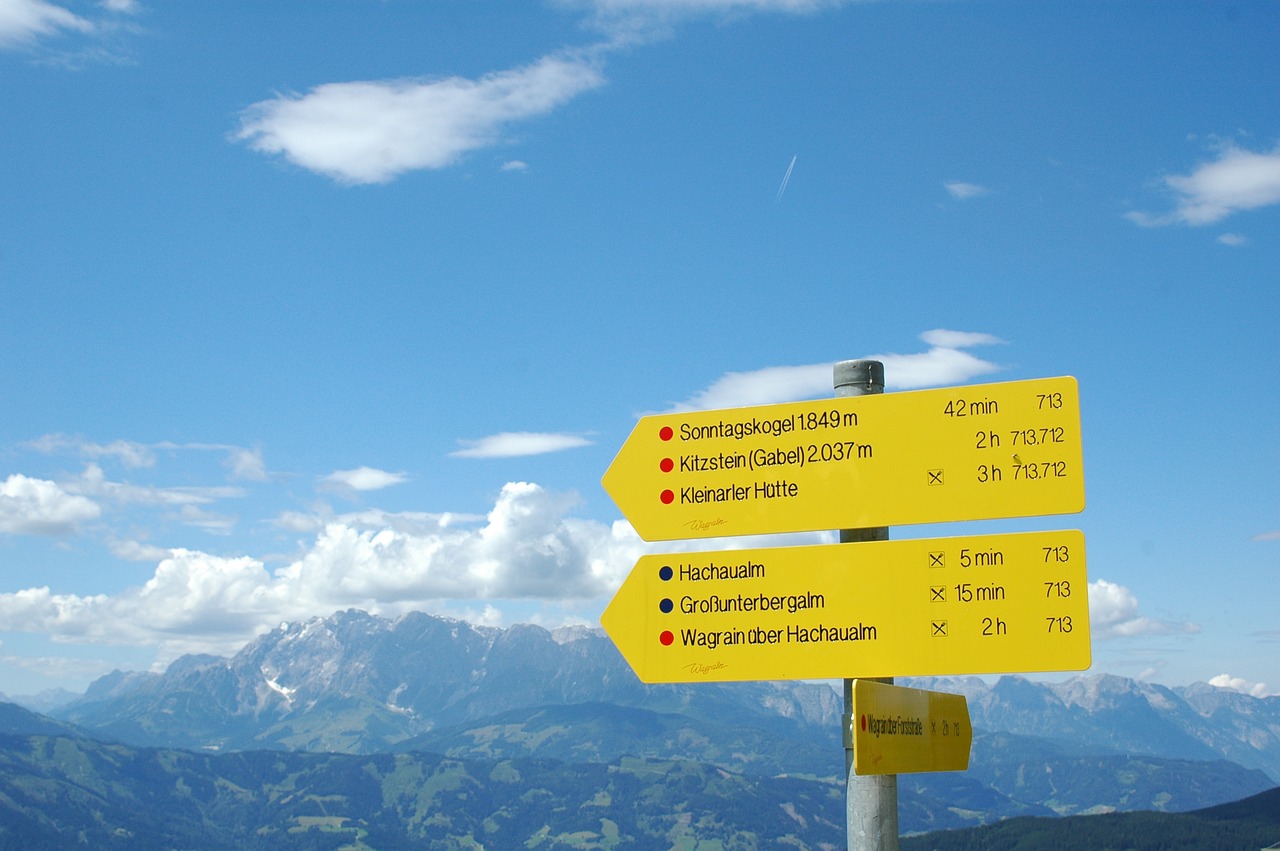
(350, 304)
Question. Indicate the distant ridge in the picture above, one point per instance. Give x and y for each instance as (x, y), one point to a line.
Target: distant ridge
(359, 684)
(1247, 825)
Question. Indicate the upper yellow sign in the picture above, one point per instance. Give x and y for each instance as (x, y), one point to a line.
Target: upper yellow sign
(925, 456)
(896, 730)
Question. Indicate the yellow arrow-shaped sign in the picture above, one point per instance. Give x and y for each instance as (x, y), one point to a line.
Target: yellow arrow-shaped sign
(898, 730)
(926, 456)
(936, 606)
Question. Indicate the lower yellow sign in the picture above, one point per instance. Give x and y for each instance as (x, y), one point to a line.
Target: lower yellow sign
(988, 604)
(897, 730)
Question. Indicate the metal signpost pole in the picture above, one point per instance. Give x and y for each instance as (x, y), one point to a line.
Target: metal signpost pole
(871, 801)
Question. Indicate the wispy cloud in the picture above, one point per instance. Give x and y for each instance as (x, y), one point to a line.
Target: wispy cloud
(243, 462)
(93, 482)
(944, 363)
(54, 35)
(1113, 613)
(960, 190)
(513, 444)
(24, 21)
(374, 131)
(646, 19)
(363, 479)
(702, 7)
(1235, 240)
(1237, 180)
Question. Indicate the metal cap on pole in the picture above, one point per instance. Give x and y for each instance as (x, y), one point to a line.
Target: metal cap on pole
(858, 377)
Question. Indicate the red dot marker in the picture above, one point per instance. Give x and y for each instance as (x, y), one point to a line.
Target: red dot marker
(666, 433)
(864, 723)
(667, 465)
(666, 638)
(668, 497)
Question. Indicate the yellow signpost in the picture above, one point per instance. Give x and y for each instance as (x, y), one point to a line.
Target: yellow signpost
(941, 606)
(970, 453)
(897, 730)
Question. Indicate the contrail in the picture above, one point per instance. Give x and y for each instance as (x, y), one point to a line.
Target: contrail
(786, 178)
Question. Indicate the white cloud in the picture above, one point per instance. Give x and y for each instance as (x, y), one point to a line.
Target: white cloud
(374, 131)
(638, 18)
(941, 365)
(519, 443)
(1237, 180)
(23, 21)
(246, 464)
(1241, 685)
(129, 453)
(526, 548)
(1235, 240)
(38, 507)
(1113, 613)
(692, 7)
(94, 482)
(761, 387)
(137, 551)
(962, 191)
(947, 339)
(364, 479)
(192, 515)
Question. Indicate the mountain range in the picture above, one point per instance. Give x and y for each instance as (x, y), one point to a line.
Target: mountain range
(357, 686)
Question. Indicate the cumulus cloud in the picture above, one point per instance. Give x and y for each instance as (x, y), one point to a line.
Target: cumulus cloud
(1113, 613)
(527, 547)
(1237, 180)
(944, 363)
(38, 507)
(513, 444)
(374, 131)
(1226, 681)
(23, 21)
(962, 191)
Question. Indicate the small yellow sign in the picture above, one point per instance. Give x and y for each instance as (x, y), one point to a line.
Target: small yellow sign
(898, 730)
(935, 606)
(926, 456)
